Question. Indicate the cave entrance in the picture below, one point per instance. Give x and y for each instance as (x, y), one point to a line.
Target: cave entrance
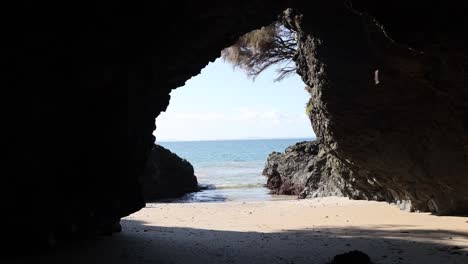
(226, 125)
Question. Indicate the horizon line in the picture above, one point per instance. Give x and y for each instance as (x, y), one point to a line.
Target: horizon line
(229, 139)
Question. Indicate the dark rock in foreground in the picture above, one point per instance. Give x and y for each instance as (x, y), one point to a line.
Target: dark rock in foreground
(355, 257)
(307, 170)
(167, 175)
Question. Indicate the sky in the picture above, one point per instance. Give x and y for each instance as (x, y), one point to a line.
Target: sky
(222, 103)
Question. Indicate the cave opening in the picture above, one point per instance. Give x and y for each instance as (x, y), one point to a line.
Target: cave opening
(226, 121)
(226, 125)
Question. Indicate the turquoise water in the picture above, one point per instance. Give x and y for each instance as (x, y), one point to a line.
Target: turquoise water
(230, 170)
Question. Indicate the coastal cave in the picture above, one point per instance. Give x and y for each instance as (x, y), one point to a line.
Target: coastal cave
(389, 82)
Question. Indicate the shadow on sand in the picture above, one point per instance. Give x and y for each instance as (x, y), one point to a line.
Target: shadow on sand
(144, 243)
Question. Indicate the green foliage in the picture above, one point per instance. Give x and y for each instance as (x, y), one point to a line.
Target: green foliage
(309, 104)
(308, 89)
(309, 107)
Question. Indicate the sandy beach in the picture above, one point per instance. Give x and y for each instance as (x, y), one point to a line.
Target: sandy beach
(285, 231)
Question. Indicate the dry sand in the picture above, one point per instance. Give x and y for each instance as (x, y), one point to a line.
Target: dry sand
(293, 231)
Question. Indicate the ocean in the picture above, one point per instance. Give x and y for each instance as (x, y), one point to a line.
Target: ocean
(229, 170)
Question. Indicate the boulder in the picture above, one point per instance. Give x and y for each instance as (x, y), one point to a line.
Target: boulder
(167, 175)
(308, 170)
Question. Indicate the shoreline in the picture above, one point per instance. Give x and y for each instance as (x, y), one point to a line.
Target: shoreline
(187, 200)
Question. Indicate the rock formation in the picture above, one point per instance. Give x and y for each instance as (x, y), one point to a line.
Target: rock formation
(308, 170)
(167, 175)
(390, 107)
(78, 82)
(287, 172)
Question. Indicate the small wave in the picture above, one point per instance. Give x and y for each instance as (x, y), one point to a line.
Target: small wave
(240, 186)
(230, 164)
(203, 187)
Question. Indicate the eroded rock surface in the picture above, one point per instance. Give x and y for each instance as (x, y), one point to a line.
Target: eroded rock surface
(287, 171)
(167, 175)
(394, 110)
(309, 170)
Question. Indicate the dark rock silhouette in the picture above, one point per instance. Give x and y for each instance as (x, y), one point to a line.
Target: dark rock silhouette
(352, 257)
(167, 175)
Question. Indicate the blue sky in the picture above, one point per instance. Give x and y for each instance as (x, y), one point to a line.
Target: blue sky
(222, 103)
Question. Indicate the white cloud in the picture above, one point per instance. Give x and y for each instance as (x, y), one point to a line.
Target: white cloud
(265, 116)
(204, 116)
(240, 122)
(241, 114)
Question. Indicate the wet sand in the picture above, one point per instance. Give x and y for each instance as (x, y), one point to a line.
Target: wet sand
(283, 231)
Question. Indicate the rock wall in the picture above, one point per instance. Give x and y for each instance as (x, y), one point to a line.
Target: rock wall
(391, 108)
(167, 175)
(80, 82)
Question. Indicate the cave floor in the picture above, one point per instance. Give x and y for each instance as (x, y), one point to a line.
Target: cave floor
(288, 231)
